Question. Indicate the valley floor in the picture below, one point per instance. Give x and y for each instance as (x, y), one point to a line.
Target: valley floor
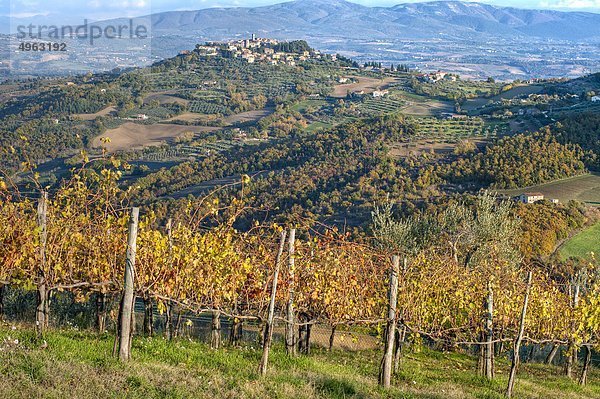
(79, 365)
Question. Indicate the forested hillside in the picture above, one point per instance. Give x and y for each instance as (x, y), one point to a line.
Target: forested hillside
(521, 161)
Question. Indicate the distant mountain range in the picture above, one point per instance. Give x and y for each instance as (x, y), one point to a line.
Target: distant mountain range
(338, 18)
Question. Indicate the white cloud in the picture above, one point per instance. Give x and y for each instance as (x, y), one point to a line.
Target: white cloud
(28, 14)
(571, 4)
(118, 4)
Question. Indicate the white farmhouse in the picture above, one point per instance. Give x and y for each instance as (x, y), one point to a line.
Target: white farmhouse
(530, 198)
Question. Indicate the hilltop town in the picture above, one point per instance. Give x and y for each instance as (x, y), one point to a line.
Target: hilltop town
(264, 50)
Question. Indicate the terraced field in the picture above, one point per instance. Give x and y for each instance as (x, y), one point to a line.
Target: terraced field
(380, 106)
(207, 107)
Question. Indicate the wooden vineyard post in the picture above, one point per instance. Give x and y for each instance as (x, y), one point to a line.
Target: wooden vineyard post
(290, 333)
(517, 344)
(489, 331)
(169, 307)
(126, 311)
(400, 330)
(385, 374)
(268, 334)
(571, 357)
(42, 292)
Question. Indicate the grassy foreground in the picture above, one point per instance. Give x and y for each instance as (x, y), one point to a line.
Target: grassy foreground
(79, 365)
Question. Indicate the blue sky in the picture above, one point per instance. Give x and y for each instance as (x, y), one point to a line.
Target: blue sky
(103, 9)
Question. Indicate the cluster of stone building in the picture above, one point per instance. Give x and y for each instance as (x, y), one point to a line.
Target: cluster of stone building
(258, 50)
(531, 198)
(436, 77)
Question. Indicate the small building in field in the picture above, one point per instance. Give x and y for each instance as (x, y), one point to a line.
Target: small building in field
(530, 198)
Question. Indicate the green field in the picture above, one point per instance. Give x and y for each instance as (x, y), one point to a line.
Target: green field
(79, 365)
(585, 188)
(583, 244)
(305, 105)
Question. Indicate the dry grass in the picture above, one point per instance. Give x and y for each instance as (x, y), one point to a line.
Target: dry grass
(427, 108)
(249, 116)
(191, 117)
(91, 117)
(368, 85)
(243, 117)
(131, 136)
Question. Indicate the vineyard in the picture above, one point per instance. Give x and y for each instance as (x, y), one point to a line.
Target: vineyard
(379, 106)
(186, 151)
(448, 129)
(208, 108)
(451, 281)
